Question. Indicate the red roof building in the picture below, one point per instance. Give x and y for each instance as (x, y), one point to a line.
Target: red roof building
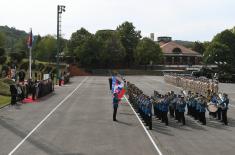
(176, 54)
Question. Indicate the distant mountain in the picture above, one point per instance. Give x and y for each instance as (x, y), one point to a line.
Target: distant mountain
(12, 36)
(188, 44)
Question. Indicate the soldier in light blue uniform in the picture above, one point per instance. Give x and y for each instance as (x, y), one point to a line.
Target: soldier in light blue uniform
(224, 104)
(198, 107)
(188, 102)
(202, 111)
(181, 109)
(214, 100)
(193, 105)
(165, 107)
(149, 113)
(177, 117)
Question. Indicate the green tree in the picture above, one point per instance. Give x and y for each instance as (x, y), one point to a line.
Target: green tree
(3, 57)
(87, 53)
(16, 57)
(146, 51)
(228, 38)
(217, 53)
(46, 50)
(129, 38)
(2, 39)
(112, 52)
(21, 47)
(198, 47)
(77, 39)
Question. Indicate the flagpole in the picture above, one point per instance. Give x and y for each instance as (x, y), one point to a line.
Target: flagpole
(30, 63)
(30, 45)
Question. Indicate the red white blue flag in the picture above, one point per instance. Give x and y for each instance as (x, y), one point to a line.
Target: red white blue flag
(118, 87)
(30, 39)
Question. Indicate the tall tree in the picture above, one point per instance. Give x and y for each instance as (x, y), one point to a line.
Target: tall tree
(77, 39)
(2, 39)
(112, 52)
(217, 53)
(3, 57)
(146, 51)
(21, 47)
(87, 53)
(47, 49)
(228, 38)
(129, 38)
(198, 47)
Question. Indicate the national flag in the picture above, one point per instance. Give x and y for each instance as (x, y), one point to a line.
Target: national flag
(113, 83)
(30, 39)
(121, 93)
(119, 89)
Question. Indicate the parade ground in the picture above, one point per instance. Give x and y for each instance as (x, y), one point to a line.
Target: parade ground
(76, 119)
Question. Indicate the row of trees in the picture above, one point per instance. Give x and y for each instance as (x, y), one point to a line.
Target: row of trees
(122, 47)
(113, 48)
(220, 51)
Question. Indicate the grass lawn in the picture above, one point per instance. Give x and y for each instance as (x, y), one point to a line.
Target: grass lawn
(4, 100)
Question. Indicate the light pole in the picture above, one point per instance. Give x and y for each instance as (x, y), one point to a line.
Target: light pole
(60, 9)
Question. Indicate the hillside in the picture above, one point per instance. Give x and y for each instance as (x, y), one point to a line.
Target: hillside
(188, 44)
(12, 35)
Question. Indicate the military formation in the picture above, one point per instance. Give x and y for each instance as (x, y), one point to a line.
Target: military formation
(195, 100)
(202, 85)
(141, 102)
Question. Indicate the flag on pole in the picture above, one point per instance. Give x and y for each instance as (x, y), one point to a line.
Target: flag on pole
(30, 39)
(118, 87)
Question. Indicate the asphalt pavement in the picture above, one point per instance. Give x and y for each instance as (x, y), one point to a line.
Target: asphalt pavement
(194, 138)
(76, 119)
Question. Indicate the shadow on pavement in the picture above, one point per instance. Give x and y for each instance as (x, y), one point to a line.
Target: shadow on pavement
(125, 123)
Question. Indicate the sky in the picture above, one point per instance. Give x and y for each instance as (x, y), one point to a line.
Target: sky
(192, 20)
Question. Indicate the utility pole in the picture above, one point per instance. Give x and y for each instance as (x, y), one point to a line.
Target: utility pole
(60, 9)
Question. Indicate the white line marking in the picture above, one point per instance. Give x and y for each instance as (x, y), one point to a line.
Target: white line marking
(146, 131)
(48, 115)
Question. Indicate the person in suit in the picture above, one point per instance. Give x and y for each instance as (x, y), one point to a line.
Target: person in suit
(13, 91)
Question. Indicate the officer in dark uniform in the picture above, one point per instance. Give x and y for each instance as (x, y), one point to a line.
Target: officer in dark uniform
(13, 91)
(115, 106)
(110, 83)
(21, 76)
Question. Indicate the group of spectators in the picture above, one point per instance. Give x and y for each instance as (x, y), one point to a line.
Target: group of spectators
(36, 89)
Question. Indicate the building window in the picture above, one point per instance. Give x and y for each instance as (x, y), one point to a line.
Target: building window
(177, 50)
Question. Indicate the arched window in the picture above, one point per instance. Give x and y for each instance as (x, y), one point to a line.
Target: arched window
(177, 50)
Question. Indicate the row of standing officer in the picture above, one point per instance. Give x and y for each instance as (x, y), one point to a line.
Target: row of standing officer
(196, 105)
(141, 102)
(169, 102)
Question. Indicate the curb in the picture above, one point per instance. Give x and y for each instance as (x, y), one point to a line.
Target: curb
(5, 105)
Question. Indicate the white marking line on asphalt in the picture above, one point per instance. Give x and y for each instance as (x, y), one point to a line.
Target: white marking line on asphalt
(146, 131)
(48, 115)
